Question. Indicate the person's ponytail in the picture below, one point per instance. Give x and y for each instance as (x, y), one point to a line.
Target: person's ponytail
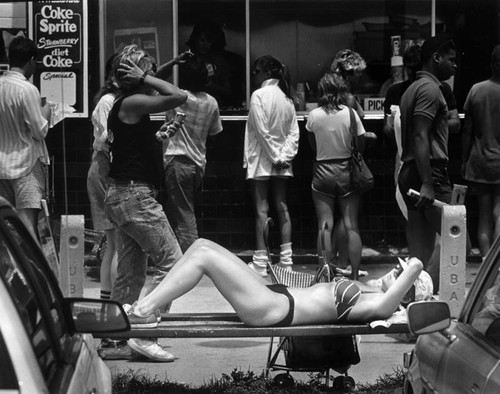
(276, 70)
(284, 81)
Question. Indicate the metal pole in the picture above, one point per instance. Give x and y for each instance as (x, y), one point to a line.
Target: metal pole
(247, 49)
(175, 37)
(433, 18)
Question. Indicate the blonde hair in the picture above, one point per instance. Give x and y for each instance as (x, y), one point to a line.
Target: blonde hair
(346, 62)
(136, 55)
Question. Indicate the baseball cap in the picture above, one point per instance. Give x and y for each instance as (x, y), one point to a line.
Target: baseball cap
(434, 44)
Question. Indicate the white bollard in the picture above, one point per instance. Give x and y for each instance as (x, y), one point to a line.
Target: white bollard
(71, 254)
(452, 258)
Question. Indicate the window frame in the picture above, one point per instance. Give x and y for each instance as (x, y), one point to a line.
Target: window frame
(175, 52)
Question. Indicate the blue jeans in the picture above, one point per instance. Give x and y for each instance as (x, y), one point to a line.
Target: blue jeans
(142, 230)
(183, 178)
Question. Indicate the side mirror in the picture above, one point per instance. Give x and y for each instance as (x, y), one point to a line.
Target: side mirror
(428, 316)
(93, 316)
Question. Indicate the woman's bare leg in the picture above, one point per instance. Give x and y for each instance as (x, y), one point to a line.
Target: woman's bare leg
(109, 262)
(324, 212)
(259, 190)
(339, 243)
(349, 207)
(279, 192)
(381, 306)
(254, 303)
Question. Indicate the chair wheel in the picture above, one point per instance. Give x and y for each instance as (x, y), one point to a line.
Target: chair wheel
(283, 380)
(344, 384)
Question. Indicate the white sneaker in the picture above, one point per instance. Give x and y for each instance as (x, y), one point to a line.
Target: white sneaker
(151, 350)
(262, 271)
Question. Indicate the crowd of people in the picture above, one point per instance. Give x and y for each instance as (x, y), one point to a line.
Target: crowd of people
(132, 165)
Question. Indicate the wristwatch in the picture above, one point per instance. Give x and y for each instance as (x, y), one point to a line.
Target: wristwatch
(146, 73)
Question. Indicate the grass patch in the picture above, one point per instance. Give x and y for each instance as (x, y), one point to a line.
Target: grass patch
(240, 382)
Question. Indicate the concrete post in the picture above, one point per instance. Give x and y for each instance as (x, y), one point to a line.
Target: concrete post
(71, 254)
(452, 266)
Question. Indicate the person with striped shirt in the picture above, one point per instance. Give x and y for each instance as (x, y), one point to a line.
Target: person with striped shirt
(24, 122)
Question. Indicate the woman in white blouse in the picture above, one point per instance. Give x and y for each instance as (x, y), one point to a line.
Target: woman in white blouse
(271, 143)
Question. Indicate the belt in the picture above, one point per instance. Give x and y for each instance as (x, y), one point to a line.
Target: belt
(330, 161)
(129, 182)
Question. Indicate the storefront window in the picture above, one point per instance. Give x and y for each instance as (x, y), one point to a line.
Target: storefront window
(146, 23)
(215, 31)
(311, 33)
(305, 35)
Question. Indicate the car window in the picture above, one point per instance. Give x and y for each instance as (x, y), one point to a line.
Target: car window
(487, 319)
(34, 297)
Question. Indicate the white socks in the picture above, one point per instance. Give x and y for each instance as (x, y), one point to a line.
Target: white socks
(286, 254)
(260, 258)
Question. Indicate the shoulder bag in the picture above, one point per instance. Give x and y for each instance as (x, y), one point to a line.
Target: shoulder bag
(361, 176)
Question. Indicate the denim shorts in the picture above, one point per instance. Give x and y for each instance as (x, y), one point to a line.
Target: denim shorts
(28, 191)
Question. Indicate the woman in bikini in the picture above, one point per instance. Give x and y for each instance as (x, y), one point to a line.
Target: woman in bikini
(259, 304)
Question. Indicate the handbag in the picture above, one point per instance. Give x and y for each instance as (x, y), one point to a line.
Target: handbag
(361, 176)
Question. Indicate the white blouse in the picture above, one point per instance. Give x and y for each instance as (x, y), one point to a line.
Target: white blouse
(272, 132)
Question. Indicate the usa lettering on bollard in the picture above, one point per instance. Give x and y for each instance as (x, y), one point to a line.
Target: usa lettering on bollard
(71, 254)
(453, 248)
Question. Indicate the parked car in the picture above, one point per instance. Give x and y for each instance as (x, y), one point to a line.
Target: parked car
(463, 357)
(46, 344)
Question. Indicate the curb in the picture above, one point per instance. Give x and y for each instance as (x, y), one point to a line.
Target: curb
(369, 257)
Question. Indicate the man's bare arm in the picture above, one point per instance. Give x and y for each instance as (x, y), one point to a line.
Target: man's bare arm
(422, 153)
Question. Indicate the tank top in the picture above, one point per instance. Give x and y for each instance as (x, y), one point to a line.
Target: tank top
(136, 154)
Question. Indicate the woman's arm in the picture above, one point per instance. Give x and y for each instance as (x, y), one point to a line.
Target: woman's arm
(311, 138)
(369, 135)
(291, 145)
(165, 70)
(422, 155)
(137, 105)
(257, 122)
(354, 104)
(375, 306)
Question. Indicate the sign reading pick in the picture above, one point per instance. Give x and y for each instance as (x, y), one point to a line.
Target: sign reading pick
(374, 105)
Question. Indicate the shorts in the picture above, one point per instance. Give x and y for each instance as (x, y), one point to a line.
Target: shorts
(28, 191)
(332, 177)
(409, 178)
